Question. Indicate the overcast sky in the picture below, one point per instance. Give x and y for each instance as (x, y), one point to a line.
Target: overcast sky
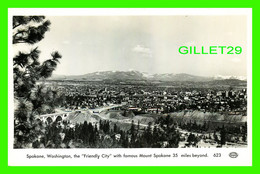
(145, 43)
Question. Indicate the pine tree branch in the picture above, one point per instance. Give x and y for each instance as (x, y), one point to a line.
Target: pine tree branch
(23, 20)
(16, 26)
(31, 34)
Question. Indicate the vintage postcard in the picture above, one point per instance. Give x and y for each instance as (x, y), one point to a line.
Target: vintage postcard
(130, 87)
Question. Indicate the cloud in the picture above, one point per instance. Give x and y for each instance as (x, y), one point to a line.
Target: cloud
(142, 50)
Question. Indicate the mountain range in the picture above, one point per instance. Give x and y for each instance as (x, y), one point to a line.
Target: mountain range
(139, 76)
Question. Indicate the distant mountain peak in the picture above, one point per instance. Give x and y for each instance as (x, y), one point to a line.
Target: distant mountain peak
(136, 75)
(221, 77)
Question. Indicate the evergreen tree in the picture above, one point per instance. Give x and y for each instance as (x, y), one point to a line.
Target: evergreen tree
(155, 137)
(223, 136)
(133, 134)
(115, 128)
(148, 134)
(27, 70)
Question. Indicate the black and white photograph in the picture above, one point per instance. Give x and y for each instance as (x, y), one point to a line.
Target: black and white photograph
(129, 81)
